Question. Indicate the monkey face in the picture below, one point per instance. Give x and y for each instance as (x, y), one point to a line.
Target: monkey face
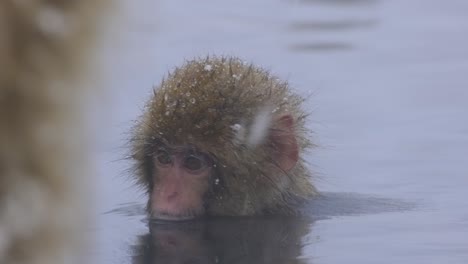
(181, 178)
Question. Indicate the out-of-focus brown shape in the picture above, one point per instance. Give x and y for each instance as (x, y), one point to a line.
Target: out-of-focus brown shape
(44, 61)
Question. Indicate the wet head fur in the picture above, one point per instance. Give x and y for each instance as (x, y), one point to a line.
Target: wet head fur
(214, 104)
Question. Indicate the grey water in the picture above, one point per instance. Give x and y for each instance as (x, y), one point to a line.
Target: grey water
(387, 89)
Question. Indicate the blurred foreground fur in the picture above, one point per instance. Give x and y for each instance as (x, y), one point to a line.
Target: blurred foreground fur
(44, 52)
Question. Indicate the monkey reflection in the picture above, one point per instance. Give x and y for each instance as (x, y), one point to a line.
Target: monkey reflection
(267, 239)
(170, 244)
(220, 137)
(228, 240)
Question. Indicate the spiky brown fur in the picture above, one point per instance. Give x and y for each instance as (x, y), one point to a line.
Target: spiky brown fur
(42, 144)
(205, 103)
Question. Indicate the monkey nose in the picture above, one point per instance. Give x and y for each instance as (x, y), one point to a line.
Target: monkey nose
(172, 196)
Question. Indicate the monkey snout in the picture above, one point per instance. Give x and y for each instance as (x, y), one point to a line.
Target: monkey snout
(173, 207)
(171, 196)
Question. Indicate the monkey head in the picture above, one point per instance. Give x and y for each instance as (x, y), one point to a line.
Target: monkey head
(221, 137)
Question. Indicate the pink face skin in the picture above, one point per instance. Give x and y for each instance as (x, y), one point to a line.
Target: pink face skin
(181, 179)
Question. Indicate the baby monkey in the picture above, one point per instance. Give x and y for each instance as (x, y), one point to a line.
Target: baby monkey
(221, 137)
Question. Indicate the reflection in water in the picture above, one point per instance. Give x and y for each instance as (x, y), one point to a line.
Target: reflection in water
(128, 209)
(339, 25)
(249, 239)
(223, 240)
(341, 2)
(330, 204)
(321, 46)
(329, 26)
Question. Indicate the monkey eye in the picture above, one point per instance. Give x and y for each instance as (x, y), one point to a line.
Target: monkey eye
(194, 162)
(163, 157)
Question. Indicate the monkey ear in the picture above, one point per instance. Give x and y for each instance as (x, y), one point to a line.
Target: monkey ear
(283, 139)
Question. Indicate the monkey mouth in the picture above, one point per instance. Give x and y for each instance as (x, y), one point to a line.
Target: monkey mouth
(165, 216)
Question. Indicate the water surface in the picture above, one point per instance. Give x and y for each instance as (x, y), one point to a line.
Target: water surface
(388, 89)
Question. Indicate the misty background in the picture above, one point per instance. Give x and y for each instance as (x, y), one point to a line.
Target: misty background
(387, 89)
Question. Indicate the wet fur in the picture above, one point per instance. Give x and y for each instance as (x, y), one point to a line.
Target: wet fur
(200, 104)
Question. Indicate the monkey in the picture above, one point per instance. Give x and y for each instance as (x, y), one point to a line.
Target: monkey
(46, 48)
(221, 137)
